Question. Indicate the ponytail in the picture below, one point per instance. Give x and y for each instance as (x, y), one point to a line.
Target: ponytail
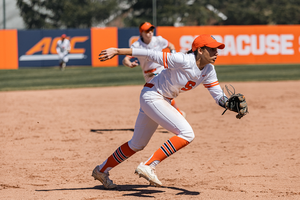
(190, 51)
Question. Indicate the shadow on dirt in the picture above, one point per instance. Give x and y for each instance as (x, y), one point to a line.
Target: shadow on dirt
(100, 131)
(112, 129)
(133, 190)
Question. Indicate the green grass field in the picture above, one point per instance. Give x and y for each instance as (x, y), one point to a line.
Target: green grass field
(79, 77)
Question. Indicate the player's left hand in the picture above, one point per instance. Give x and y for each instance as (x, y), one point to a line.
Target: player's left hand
(108, 54)
(236, 103)
(134, 64)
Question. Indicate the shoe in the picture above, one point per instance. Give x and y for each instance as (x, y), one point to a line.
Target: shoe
(103, 178)
(148, 173)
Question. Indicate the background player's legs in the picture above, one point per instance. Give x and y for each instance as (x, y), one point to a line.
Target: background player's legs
(61, 57)
(65, 59)
(63, 66)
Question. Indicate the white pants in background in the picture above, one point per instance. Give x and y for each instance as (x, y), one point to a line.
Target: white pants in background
(63, 57)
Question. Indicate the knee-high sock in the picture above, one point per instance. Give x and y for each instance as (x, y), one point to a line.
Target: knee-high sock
(121, 154)
(167, 149)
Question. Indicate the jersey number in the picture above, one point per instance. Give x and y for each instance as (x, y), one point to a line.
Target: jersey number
(188, 86)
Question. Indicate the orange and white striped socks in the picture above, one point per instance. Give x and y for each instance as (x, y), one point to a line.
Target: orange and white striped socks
(120, 155)
(170, 147)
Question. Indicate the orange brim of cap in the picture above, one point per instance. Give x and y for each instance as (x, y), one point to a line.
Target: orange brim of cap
(146, 27)
(208, 41)
(216, 45)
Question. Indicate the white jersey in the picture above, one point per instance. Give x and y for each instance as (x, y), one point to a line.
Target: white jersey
(63, 46)
(181, 74)
(149, 67)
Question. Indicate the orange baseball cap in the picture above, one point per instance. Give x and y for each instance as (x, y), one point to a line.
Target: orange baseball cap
(63, 36)
(208, 41)
(146, 26)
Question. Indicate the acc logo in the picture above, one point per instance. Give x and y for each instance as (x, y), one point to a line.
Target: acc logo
(46, 45)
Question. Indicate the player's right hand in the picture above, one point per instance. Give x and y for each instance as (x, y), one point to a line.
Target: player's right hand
(108, 54)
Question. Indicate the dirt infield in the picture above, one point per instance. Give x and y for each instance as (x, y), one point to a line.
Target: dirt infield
(51, 140)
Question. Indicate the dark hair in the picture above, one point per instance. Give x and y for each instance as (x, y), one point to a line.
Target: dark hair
(140, 28)
(190, 51)
(195, 52)
(141, 25)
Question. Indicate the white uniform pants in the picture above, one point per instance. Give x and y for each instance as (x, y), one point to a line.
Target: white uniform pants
(156, 110)
(63, 57)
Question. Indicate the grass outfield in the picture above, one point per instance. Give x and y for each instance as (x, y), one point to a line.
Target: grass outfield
(78, 77)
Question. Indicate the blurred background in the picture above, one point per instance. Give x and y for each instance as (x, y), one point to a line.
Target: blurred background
(61, 14)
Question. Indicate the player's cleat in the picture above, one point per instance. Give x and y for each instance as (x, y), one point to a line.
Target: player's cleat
(148, 173)
(103, 178)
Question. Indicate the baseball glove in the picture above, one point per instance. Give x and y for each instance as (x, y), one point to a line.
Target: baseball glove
(236, 103)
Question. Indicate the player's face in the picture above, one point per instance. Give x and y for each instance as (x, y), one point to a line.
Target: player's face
(147, 35)
(209, 55)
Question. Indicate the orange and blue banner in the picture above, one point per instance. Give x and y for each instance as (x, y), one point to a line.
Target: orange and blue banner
(103, 38)
(8, 49)
(37, 48)
(259, 44)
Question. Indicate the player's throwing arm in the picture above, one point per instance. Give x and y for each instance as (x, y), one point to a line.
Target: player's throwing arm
(111, 52)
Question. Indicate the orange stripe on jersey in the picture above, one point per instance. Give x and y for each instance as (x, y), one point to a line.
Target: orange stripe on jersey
(165, 59)
(150, 71)
(211, 84)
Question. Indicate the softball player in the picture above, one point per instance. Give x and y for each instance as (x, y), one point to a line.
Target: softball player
(62, 48)
(148, 41)
(183, 72)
